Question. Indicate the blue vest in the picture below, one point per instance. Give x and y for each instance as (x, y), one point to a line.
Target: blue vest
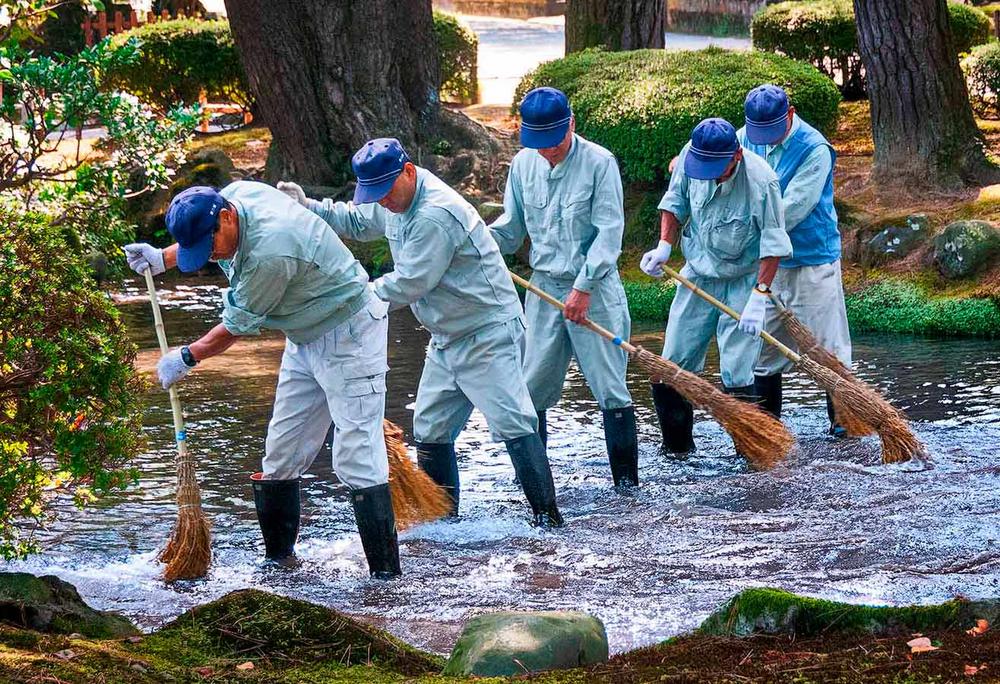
(816, 240)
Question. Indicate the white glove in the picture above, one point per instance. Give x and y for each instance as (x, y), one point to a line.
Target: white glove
(172, 368)
(295, 191)
(752, 319)
(141, 256)
(653, 260)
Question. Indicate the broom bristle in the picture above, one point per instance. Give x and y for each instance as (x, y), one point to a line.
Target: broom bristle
(416, 498)
(188, 553)
(759, 437)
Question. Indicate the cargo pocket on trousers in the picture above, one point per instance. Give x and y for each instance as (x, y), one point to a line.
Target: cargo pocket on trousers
(364, 397)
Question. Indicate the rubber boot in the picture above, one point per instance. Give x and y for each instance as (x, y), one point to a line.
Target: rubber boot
(747, 393)
(676, 417)
(278, 510)
(836, 430)
(377, 527)
(768, 389)
(623, 446)
(532, 468)
(543, 429)
(441, 464)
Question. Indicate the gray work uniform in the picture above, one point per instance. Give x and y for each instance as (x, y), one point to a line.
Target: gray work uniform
(291, 273)
(574, 215)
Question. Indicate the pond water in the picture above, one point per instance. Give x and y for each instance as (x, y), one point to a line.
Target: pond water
(831, 522)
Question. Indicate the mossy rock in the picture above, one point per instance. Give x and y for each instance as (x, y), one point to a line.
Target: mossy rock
(773, 611)
(48, 604)
(964, 247)
(896, 240)
(510, 643)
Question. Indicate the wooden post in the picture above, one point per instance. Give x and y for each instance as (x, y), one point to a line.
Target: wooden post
(164, 15)
(88, 31)
(102, 25)
(119, 22)
(996, 23)
(133, 20)
(150, 17)
(203, 101)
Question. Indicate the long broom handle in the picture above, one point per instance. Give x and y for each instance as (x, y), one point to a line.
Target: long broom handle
(587, 323)
(766, 336)
(175, 400)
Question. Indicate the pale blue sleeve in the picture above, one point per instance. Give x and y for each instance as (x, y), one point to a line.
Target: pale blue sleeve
(774, 240)
(364, 222)
(803, 191)
(260, 288)
(677, 198)
(607, 214)
(430, 247)
(510, 230)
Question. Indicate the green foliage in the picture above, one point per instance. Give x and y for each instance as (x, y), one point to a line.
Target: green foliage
(983, 70)
(68, 390)
(642, 104)
(899, 307)
(823, 33)
(178, 59)
(458, 53)
(649, 300)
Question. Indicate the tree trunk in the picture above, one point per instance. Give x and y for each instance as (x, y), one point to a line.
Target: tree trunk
(614, 24)
(328, 76)
(922, 123)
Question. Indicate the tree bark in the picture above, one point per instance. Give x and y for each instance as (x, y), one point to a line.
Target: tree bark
(614, 24)
(923, 128)
(329, 75)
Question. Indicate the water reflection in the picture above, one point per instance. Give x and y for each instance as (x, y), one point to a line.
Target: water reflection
(832, 522)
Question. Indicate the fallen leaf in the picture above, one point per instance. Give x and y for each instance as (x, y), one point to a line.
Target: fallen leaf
(245, 666)
(980, 628)
(971, 670)
(67, 654)
(921, 645)
(205, 671)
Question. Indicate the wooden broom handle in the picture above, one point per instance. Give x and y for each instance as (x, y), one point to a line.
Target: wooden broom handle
(767, 337)
(587, 323)
(175, 401)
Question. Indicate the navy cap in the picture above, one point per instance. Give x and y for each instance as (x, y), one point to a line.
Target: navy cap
(766, 109)
(545, 117)
(192, 218)
(713, 144)
(377, 165)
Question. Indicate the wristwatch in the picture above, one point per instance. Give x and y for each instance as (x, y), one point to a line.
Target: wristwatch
(762, 288)
(188, 358)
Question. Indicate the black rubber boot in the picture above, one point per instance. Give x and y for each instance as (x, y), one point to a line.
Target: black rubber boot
(768, 389)
(836, 430)
(278, 509)
(543, 429)
(747, 393)
(441, 464)
(532, 468)
(623, 446)
(676, 419)
(377, 526)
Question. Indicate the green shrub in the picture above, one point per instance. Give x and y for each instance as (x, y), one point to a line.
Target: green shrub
(899, 307)
(983, 70)
(649, 300)
(458, 53)
(642, 104)
(178, 59)
(69, 395)
(822, 32)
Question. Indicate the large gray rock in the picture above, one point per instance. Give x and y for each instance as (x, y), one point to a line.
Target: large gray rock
(896, 241)
(47, 604)
(504, 644)
(964, 247)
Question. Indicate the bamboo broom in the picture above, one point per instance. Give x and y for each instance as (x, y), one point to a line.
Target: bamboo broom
(416, 498)
(852, 398)
(188, 552)
(759, 437)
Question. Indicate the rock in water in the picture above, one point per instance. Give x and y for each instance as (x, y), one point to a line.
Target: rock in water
(510, 643)
(964, 247)
(47, 604)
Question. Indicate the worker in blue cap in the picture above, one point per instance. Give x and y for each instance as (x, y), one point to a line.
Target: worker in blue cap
(735, 235)
(288, 271)
(565, 193)
(809, 282)
(450, 272)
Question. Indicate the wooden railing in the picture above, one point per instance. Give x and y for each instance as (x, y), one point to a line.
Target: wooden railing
(96, 28)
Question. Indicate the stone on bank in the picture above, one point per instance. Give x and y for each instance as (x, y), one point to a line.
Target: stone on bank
(48, 604)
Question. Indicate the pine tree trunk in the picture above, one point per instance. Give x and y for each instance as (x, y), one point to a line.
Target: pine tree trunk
(328, 76)
(922, 123)
(614, 24)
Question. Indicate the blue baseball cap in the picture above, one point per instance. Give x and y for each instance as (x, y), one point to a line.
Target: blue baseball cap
(377, 165)
(766, 109)
(713, 144)
(192, 218)
(545, 117)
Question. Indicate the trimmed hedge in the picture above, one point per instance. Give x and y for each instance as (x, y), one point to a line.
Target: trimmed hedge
(178, 59)
(823, 33)
(982, 68)
(458, 53)
(642, 104)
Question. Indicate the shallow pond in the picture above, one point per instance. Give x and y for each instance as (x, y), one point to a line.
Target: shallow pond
(832, 522)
